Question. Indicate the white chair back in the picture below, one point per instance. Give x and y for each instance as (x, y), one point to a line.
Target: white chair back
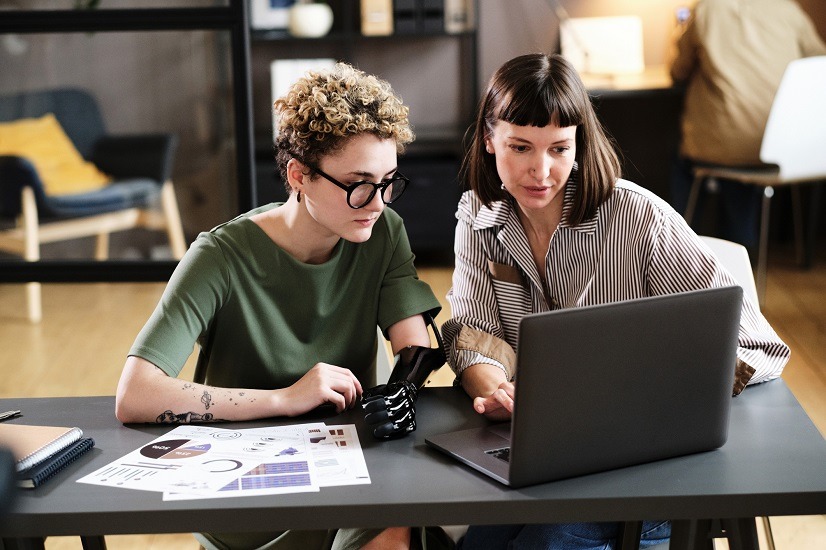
(384, 363)
(795, 133)
(735, 258)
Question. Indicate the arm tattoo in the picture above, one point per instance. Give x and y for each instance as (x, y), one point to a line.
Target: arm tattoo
(206, 399)
(168, 417)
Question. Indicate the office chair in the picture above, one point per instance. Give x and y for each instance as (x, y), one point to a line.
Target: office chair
(793, 152)
(735, 258)
(140, 165)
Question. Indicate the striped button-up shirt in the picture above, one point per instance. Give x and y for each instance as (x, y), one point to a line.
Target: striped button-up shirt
(635, 246)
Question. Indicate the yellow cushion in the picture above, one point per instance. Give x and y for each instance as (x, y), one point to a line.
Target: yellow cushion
(60, 166)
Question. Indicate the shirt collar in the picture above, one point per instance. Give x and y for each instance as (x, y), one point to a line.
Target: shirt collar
(499, 212)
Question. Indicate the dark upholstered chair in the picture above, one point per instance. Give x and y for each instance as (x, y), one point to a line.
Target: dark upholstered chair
(140, 166)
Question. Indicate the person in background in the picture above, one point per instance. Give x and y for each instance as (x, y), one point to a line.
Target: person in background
(285, 299)
(731, 58)
(547, 224)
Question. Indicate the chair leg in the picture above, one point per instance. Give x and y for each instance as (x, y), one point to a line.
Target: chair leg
(767, 531)
(797, 221)
(693, 197)
(174, 227)
(102, 247)
(768, 193)
(811, 226)
(34, 302)
(31, 251)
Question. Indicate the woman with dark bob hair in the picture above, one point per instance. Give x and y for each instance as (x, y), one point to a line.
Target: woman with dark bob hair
(547, 223)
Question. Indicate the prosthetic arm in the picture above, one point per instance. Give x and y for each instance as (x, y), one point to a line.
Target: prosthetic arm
(391, 408)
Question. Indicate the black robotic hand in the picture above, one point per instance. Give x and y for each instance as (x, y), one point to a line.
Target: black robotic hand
(391, 408)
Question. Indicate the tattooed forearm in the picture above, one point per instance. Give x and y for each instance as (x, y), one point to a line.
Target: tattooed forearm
(208, 399)
(168, 417)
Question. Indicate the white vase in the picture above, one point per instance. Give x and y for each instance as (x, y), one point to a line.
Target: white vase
(310, 20)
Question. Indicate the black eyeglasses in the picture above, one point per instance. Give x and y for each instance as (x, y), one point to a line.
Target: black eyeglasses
(360, 193)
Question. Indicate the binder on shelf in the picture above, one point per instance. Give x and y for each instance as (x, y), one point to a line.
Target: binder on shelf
(33, 444)
(419, 16)
(406, 17)
(41, 472)
(460, 16)
(376, 17)
(433, 16)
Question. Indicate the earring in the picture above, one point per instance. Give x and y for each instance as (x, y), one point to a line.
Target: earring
(298, 197)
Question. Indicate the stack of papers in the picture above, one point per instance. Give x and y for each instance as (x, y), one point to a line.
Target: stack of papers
(192, 462)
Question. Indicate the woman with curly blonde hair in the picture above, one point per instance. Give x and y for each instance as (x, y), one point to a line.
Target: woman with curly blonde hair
(286, 298)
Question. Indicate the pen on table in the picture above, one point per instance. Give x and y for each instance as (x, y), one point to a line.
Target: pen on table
(9, 414)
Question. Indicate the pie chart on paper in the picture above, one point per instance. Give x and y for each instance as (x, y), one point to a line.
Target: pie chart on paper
(174, 449)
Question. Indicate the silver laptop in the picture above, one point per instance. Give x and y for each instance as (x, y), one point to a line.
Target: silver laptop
(608, 386)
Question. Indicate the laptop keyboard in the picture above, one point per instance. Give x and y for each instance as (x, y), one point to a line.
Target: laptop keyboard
(502, 454)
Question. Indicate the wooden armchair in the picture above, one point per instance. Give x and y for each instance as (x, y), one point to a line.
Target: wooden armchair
(140, 166)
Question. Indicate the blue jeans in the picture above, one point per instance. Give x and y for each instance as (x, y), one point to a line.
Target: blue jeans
(558, 536)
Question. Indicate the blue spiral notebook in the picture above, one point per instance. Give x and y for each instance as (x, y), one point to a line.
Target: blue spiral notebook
(43, 471)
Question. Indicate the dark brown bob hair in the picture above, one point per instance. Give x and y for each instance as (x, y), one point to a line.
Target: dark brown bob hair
(537, 90)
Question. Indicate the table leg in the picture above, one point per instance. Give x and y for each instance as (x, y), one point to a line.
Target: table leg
(690, 534)
(741, 533)
(96, 542)
(34, 543)
(628, 536)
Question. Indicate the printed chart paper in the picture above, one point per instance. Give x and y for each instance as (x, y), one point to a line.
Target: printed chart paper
(203, 460)
(195, 461)
(335, 456)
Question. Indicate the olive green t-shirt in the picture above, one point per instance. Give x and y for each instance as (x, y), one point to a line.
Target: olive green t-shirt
(276, 317)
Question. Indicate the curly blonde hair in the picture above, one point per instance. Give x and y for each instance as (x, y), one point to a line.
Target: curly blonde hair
(324, 108)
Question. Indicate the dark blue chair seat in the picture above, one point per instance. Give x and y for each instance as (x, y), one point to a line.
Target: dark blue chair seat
(140, 193)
